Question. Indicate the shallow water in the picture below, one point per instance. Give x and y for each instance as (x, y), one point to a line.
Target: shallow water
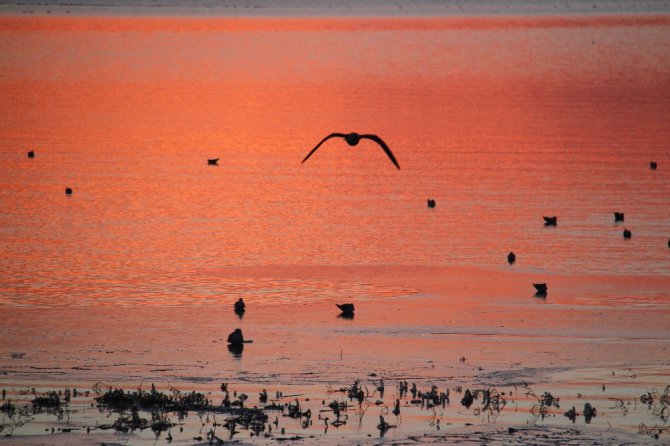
(501, 119)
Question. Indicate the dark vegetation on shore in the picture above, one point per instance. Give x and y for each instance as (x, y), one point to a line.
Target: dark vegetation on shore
(164, 412)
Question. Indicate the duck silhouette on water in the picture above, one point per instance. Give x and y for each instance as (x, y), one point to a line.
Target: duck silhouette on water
(236, 342)
(347, 310)
(236, 337)
(239, 307)
(541, 289)
(353, 139)
(550, 221)
(511, 258)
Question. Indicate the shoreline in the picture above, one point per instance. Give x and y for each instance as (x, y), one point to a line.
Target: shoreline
(296, 9)
(525, 414)
(465, 435)
(318, 20)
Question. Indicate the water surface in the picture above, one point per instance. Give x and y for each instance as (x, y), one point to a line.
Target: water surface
(501, 119)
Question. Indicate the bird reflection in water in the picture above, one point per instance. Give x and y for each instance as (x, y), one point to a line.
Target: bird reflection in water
(236, 350)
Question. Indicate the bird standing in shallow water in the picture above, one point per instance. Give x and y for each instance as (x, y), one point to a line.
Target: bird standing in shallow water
(353, 139)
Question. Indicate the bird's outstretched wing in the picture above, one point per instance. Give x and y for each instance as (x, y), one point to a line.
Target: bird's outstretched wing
(332, 135)
(383, 145)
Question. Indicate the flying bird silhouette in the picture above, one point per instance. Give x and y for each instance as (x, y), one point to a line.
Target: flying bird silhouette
(353, 139)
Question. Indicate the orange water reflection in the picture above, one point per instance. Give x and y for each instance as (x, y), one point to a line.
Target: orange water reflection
(491, 117)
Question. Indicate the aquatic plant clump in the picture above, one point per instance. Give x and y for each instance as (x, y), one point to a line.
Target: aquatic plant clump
(119, 400)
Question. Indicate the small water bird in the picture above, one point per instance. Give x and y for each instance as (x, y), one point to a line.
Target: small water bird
(239, 308)
(653, 165)
(618, 216)
(511, 258)
(353, 139)
(541, 289)
(550, 221)
(346, 309)
(236, 337)
(240, 305)
(213, 161)
(627, 233)
(31, 154)
(68, 191)
(431, 203)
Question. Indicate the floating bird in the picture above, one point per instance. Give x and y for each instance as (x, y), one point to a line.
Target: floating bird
(653, 165)
(239, 305)
(511, 258)
(346, 309)
(627, 233)
(68, 191)
(618, 216)
(353, 139)
(236, 337)
(541, 289)
(431, 203)
(239, 308)
(31, 154)
(550, 221)
(213, 161)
